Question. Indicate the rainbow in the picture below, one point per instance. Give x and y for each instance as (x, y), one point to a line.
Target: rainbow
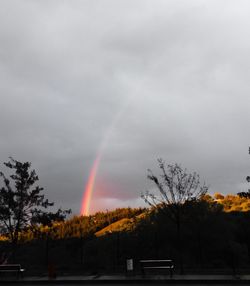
(90, 187)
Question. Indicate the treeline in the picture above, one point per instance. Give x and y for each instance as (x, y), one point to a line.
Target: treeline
(79, 226)
(212, 239)
(87, 226)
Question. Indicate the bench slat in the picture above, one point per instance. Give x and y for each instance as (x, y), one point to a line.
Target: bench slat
(171, 266)
(157, 264)
(155, 260)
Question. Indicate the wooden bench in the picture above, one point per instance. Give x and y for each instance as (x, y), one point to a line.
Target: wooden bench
(12, 268)
(157, 264)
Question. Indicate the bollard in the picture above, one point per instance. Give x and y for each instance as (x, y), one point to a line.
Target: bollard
(51, 271)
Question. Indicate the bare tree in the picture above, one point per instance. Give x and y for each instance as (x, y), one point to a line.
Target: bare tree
(175, 187)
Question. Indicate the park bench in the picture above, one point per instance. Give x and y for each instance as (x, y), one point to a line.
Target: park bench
(11, 268)
(157, 264)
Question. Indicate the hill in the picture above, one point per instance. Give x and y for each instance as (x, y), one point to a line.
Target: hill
(124, 224)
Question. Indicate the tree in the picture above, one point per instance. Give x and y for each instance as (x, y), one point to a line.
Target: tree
(175, 189)
(245, 195)
(22, 204)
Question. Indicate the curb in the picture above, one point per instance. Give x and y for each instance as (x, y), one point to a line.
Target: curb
(130, 281)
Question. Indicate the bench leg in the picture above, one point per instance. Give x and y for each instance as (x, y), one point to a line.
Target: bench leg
(171, 272)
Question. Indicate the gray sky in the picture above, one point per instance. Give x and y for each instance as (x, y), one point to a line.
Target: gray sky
(152, 79)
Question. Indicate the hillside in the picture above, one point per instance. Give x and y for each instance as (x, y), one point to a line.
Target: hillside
(124, 224)
(230, 203)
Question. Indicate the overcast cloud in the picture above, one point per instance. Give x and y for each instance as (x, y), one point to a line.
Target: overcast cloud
(143, 79)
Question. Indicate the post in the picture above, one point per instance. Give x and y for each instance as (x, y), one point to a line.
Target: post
(130, 266)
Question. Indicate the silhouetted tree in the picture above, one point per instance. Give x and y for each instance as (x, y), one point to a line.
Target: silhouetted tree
(22, 205)
(175, 187)
(245, 194)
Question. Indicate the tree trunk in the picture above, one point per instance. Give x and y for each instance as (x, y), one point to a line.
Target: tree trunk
(47, 250)
(12, 255)
(179, 237)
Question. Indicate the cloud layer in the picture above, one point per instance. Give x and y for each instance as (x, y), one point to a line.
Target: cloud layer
(151, 78)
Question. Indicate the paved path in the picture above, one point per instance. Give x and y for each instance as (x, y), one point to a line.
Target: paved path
(116, 284)
(118, 280)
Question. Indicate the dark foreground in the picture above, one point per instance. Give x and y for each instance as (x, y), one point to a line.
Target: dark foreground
(120, 284)
(197, 280)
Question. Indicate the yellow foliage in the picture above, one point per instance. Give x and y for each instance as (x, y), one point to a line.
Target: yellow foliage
(3, 238)
(232, 203)
(124, 224)
(218, 196)
(207, 198)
